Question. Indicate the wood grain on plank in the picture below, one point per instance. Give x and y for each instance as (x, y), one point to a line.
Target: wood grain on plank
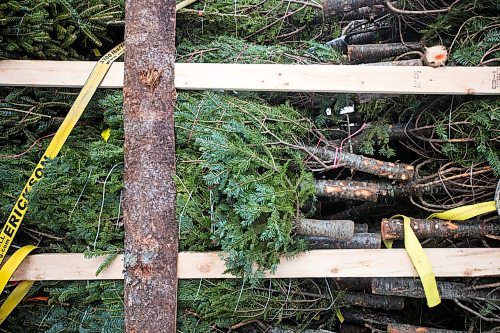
(318, 263)
(319, 78)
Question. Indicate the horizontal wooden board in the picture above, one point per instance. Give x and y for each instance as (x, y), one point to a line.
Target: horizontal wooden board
(318, 78)
(318, 263)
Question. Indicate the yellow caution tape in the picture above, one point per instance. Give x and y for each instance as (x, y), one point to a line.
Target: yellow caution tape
(466, 212)
(417, 254)
(17, 214)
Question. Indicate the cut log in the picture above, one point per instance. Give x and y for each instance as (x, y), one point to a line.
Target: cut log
(404, 328)
(353, 9)
(371, 317)
(357, 190)
(413, 288)
(360, 228)
(151, 231)
(392, 229)
(333, 229)
(372, 301)
(358, 241)
(305, 78)
(353, 284)
(368, 53)
(398, 171)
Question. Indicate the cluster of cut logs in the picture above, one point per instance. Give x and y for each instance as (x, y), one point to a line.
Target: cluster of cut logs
(376, 304)
(345, 234)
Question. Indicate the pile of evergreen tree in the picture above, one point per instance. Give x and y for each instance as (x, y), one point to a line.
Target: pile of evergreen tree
(238, 189)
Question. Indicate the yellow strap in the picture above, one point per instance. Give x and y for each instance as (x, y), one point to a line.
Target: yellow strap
(11, 265)
(417, 254)
(16, 216)
(420, 262)
(15, 297)
(466, 212)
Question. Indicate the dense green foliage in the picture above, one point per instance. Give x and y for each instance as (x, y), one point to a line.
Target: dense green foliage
(239, 188)
(56, 29)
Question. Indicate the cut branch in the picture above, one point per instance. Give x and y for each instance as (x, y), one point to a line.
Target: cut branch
(353, 9)
(357, 190)
(375, 52)
(413, 288)
(392, 229)
(404, 328)
(361, 163)
(372, 301)
(333, 229)
(358, 241)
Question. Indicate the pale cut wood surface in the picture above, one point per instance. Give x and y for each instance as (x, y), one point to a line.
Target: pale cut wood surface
(320, 78)
(318, 263)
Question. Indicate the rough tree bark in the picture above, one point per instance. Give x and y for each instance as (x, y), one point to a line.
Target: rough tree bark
(376, 52)
(333, 229)
(399, 171)
(151, 233)
(358, 190)
(348, 10)
(436, 228)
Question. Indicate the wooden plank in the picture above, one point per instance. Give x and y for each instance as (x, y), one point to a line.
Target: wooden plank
(319, 78)
(318, 263)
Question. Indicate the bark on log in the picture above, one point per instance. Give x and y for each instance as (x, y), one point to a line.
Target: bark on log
(368, 53)
(436, 228)
(348, 10)
(333, 229)
(367, 316)
(353, 284)
(360, 228)
(361, 163)
(372, 301)
(404, 328)
(406, 287)
(151, 234)
(357, 190)
(358, 241)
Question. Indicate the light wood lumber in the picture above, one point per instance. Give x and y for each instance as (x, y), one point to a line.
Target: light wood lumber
(317, 263)
(319, 78)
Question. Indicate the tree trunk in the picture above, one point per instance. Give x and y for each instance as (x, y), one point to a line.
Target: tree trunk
(151, 234)
(361, 163)
(358, 241)
(348, 10)
(404, 328)
(333, 229)
(435, 228)
(413, 288)
(376, 52)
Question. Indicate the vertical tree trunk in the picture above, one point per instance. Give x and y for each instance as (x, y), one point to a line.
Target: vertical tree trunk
(151, 233)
